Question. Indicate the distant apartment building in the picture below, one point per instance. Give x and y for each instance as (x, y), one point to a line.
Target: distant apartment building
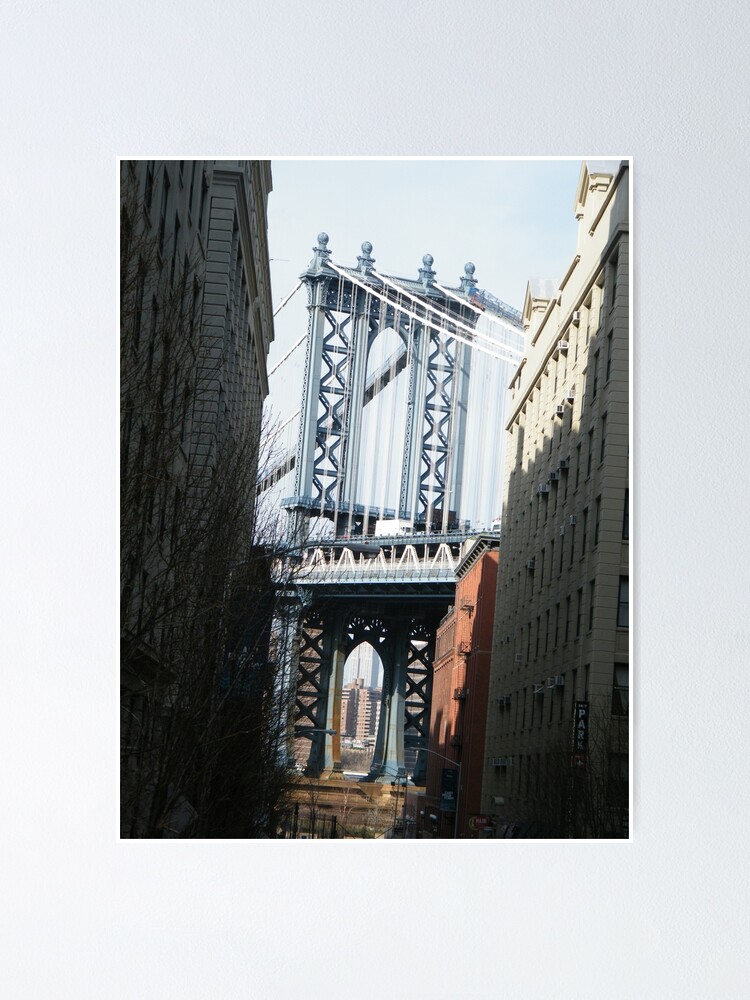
(459, 698)
(557, 728)
(360, 710)
(363, 662)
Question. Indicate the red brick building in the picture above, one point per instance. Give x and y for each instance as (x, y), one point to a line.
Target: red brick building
(459, 694)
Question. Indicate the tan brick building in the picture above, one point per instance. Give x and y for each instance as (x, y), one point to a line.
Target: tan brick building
(560, 649)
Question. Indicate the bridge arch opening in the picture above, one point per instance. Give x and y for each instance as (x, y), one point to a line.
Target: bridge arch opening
(361, 697)
(384, 423)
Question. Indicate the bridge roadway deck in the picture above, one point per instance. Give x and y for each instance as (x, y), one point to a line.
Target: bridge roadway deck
(416, 567)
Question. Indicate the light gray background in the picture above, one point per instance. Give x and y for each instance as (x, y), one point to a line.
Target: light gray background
(88, 916)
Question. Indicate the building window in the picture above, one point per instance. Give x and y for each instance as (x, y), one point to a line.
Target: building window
(597, 517)
(613, 280)
(596, 375)
(604, 438)
(176, 239)
(585, 530)
(617, 781)
(625, 519)
(578, 612)
(139, 291)
(591, 604)
(152, 336)
(609, 355)
(192, 188)
(562, 699)
(620, 689)
(590, 460)
(541, 572)
(567, 618)
(557, 623)
(623, 603)
(163, 210)
(538, 634)
(551, 559)
(149, 192)
(546, 633)
(578, 464)
(572, 542)
(204, 194)
(585, 383)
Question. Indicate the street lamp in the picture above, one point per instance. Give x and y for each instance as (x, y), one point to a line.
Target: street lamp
(400, 778)
(457, 764)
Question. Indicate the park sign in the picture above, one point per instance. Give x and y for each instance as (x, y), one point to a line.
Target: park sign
(448, 789)
(580, 732)
(479, 822)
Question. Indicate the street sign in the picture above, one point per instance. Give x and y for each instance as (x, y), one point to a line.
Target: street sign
(448, 789)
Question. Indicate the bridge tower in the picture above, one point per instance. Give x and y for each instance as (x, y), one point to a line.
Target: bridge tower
(349, 308)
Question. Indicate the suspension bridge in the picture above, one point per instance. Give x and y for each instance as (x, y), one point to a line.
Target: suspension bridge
(393, 467)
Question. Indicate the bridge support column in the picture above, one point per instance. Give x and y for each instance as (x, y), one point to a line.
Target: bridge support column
(332, 758)
(388, 760)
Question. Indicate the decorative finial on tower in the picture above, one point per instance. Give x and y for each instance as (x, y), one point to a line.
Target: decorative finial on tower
(366, 261)
(468, 281)
(322, 253)
(426, 274)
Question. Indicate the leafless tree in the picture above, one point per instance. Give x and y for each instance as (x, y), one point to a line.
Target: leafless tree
(584, 796)
(204, 707)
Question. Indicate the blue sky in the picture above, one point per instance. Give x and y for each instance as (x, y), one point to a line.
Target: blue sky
(512, 218)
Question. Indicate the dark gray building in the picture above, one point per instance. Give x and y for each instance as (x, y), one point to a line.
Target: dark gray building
(196, 326)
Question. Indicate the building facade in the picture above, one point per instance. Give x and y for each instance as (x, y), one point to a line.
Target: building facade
(196, 326)
(360, 710)
(557, 728)
(459, 698)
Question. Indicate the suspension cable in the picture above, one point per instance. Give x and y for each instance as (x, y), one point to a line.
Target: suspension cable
(467, 302)
(423, 319)
(288, 354)
(293, 292)
(452, 319)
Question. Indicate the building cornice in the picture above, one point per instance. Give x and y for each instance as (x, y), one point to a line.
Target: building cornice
(622, 229)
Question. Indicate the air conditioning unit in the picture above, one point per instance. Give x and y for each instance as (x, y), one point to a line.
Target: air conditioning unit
(506, 638)
(559, 411)
(542, 488)
(459, 694)
(571, 394)
(517, 658)
(562, 465)
(550, 682)
(559, 681)
(553, 477)
(506, 699)
(563, 345)
(502, 761)
(562, 529)
(538, 689)
(464, 647)
(498, 800)
(576, 317)
(530, 565)
(573, 519)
